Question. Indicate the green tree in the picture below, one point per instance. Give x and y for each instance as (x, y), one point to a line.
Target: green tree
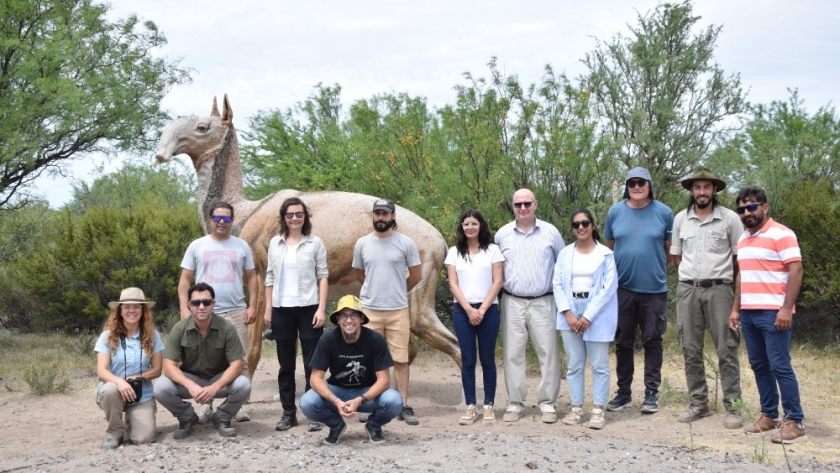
(123, 187)
(73, 83)
(664, 100)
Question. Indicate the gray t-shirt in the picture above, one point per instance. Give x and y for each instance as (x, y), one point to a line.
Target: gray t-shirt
(385, 263)
(220, 264)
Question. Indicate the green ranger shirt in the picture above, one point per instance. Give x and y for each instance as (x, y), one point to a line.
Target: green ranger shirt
(204, 357)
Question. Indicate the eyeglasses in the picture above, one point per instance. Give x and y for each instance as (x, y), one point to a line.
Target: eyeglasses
(470, 224)
(222, 218)
(345, 316)
(636, 183)
(291, 215)
(204, 302)
(585, 224)
(750, 207)
(527, 205)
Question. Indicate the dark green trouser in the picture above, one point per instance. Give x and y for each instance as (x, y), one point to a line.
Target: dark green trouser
(699, 309)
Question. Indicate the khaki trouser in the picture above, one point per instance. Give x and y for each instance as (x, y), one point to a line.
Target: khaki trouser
(139, 423)
(699, 309)
(237, 319)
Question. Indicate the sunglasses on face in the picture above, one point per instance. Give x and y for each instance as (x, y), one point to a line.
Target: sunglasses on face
(222, 218)
(585, 224)
(636, 183)
(291, 215)
(527, 205)
(750, 207)
(199, 302)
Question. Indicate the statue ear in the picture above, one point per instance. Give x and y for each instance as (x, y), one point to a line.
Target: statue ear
(215, 111)
(227, 112)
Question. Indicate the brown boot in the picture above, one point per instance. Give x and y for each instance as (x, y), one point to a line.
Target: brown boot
(763, 424)
(790, 432)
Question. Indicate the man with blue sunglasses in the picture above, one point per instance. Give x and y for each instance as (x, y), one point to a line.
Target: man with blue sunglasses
(223, 261)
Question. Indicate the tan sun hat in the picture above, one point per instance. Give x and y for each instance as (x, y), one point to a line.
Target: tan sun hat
(131, 295)
(703, 174)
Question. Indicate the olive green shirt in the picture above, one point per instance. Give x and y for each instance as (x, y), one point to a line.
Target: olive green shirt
(204, 357)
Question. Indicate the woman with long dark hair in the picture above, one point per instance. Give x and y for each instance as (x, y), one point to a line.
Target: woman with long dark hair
(128, 358)
(296, 298)
(585, 288)
(474, 266)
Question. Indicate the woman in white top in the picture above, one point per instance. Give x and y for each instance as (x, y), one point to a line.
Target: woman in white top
(127, 352)
(585, 287)
(474, 266)
(296, 285)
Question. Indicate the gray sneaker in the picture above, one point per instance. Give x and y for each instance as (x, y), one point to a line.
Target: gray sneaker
(695, 413)
(314, 426)
(111, 443)
(733, 420)
(407, 416)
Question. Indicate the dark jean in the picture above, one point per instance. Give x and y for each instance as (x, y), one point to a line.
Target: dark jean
(648, 313)
(382, 408)
(768, 350)
(287, 323)
(487, 332)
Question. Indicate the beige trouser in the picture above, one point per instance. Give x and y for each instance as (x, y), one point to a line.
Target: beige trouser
(237, 319)
(139, 423)
(538, 318)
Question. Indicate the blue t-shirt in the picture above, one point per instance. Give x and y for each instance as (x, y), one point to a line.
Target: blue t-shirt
(133, 356)
(640, 236)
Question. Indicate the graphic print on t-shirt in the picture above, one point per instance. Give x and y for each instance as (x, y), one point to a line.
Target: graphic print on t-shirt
(354, 372)
(220, 266)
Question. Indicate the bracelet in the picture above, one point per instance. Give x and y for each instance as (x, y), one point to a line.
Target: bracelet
(335, 400)
(364, 399)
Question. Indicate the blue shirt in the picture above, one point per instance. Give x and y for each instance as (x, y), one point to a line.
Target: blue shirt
(133, 356)
(640, 236)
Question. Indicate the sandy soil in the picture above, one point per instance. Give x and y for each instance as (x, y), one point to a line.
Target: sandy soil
(65, 433)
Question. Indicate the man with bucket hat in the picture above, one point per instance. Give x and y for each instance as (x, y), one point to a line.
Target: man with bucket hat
(638, 230)
(705, 239)
(358, 360)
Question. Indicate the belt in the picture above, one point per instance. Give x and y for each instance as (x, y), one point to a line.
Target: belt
(580, 295)
(704, 283)
(504, 291)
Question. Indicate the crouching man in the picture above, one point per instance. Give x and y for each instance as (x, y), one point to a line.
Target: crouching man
(358, 360)
(203, 361)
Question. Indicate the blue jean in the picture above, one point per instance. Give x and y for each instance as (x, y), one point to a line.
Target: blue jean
(577, 349)
(768, 350)
(381, 409)
(487, 332)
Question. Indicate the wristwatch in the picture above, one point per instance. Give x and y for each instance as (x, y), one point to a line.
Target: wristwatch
(364, 399)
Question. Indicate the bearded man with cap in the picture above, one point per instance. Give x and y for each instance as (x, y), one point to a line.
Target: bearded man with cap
(705, 240)
(358, 360)
(638, 230)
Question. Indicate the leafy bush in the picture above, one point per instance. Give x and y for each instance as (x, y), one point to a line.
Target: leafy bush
(46, 380)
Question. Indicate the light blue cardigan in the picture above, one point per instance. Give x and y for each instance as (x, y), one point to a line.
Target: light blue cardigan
(602, 311)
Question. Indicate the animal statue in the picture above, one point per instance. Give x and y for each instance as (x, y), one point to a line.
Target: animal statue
(339, 218)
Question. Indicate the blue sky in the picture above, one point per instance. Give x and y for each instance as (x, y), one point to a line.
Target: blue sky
(271, 54)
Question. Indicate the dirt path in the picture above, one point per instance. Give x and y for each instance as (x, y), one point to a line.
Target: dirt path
(65, 433)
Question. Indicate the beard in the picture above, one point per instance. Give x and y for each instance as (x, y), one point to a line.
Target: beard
(350, 337)
(383, 227)
(752, 222)
(703, 205)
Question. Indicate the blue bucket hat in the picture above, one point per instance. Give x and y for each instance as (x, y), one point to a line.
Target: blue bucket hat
(638, 173)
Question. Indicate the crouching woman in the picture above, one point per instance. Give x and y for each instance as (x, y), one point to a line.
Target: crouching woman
(128, 358)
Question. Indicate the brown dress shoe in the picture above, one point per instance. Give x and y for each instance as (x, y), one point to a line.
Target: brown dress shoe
(790, 433)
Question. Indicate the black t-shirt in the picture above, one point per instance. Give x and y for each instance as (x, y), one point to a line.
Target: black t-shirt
(352, 365)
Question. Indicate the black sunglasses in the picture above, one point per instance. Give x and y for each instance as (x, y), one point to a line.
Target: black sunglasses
(291, 215)
(204, 302)
(526, 204)
(220, 218)
(750, 207)
(585, 224)
(636, 183)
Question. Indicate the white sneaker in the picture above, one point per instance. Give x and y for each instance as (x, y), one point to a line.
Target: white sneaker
(205, 413)
(489, 415)
(276, 398)
(470, 416)
(241, 415)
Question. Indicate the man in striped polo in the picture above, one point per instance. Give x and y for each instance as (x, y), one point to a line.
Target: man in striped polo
(766, 289)
(530, 247)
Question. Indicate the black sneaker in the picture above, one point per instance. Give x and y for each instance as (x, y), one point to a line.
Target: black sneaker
(620, 401)
(651, 403)
(223, 427)
(286, 423)
(185, 428)
(374, 434)
(335, 434)
(407, 416)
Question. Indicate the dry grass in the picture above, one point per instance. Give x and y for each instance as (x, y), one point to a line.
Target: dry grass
(46, 363)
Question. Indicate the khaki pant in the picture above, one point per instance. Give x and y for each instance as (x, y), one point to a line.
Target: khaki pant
(395, 326)
(237, 319)
(536, 318)
(699, 309)
(139, 423)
